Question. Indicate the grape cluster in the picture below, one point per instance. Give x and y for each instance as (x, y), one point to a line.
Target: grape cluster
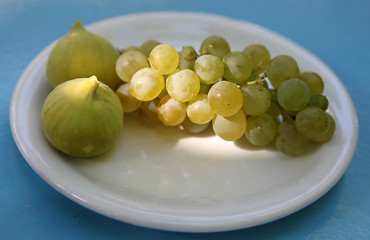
(268, 100)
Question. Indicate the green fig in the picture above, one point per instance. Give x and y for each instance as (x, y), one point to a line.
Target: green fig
(82, 117)
(81, 54)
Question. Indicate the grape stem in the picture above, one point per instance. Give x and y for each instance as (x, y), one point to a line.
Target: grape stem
(259, 80)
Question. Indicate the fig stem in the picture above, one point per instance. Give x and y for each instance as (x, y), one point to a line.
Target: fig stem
(94, 87)
(78, 25)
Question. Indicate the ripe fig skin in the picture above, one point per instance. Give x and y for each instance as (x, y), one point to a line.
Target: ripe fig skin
(82, 117)
(81, 54)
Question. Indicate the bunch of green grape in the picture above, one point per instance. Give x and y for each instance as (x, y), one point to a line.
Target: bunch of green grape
(239, 93)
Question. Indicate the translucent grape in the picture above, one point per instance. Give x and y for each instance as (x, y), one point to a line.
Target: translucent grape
(209, 68)
(148, 112)
(129, 62)
(320, 101)
(293, 94)
(191, 127)
(230, 128)
(328, 134)
(215, 45)
(313, 81)
(225, 98)
(164, 58)
(164, 90)
(183, 85)
(238, 67)
(171, 112)
(199, 111)
(128, 102)
(146, 84)
(256, 99)
(289, 140)
(273, 94)
(148, 46)
(288, 115)
(274, 111)
(188, 55)
(230, 89)
(128, 48)
(280, 68)
(313, 122)
(261, 129)
(259, 55)
(204, 88)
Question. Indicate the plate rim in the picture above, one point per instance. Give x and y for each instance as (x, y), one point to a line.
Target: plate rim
(214, 226)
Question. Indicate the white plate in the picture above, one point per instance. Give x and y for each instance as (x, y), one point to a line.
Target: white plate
(164, 179)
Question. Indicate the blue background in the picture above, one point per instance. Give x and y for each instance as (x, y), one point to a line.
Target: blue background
(338, 32)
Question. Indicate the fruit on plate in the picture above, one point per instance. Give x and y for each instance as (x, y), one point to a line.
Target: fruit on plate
(247, 93)
(82, 117)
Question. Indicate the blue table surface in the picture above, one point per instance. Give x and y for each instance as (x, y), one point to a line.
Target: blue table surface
(337, 32)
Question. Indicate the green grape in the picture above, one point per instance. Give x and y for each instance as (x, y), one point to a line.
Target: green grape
(148, 46)
(146, 84)
(171, 112)
(128, 48)
(230, 128)
(293, 94)
(148, 112)
(289, 140)
(274, 111)
(209, 68)
(204, 88)
(164, 91)
(314, 82)
(128, 102)
(261, 129)
(320, 101)
(188, 55)
(183, 85)
(256, 99)
(273, 94)
(231, 89)
(190, 127)
(259, 55)
(288, 115)
(238, 67)
(199, 111)
(164, 58)
(281, 68)
(328, 134)
(215, 45)
(225, 98)
(129, 62)
(313, 122)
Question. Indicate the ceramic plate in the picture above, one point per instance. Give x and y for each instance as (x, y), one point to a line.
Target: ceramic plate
(166, 179)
